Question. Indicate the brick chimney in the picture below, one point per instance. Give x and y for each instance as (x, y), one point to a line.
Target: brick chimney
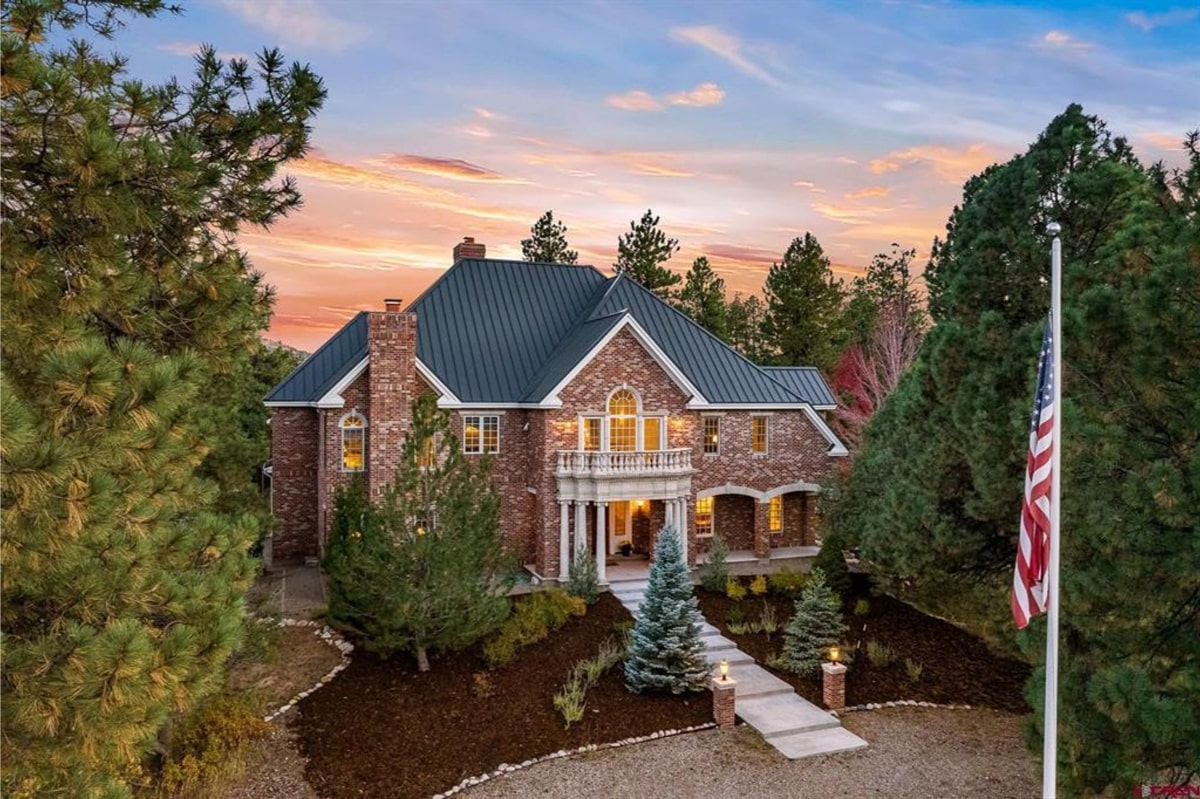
(467, 248)
(391, 388)
(392, 306)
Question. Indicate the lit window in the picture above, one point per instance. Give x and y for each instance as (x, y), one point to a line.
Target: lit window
(712, 435)
(704, 516)
(622, 421)
(591, 434)
(652, 433)
(353, 443)
(428, 456)
(775, 515)
(481, 434)
(758, 434)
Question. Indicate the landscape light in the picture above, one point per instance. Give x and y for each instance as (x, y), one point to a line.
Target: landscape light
(834, 654)
(724, 670)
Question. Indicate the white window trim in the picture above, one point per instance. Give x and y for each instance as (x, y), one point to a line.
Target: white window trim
(479, 417)
(342, 442)
(766, 435)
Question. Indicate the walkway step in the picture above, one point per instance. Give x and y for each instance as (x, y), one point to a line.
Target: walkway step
(817, 742)
(734, 657)
(753, 681)
(775, 716)
(629, 587)
(717, 641)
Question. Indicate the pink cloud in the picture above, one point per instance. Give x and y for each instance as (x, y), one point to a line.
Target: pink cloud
(636, 100)
(706, 94)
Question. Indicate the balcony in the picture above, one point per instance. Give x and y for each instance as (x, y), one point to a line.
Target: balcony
(661, 463)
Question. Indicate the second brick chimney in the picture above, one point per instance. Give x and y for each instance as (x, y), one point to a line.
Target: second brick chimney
(467, 248)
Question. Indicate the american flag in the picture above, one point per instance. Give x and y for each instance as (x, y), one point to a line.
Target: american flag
(1030, 583)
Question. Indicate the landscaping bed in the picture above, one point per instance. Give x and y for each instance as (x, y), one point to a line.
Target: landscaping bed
(955, 667)
(384, 729)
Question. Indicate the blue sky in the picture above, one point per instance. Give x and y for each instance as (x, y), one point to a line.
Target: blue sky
(741, 124)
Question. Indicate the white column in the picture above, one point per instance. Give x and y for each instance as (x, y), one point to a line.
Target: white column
(580, 526)
(601, 536)
(564, 541)
(668, 513)
(683, 528)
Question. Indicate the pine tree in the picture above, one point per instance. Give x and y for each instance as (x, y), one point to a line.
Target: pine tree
(547, 242)
(816, 625)
(427, 569)
(642, 252)
(666, 652)
(744, 321)
(583, 580)
(129, 319)
(935, 492)
(803, 318)
(703, 298)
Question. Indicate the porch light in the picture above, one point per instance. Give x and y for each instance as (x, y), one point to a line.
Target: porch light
(834, 654)
(724, 670)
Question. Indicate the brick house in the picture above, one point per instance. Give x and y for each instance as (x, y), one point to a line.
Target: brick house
(608, 414)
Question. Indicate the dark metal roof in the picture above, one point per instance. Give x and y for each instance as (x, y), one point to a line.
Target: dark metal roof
(510, 331)
(487, 328)
(322, 370)
(805, 381)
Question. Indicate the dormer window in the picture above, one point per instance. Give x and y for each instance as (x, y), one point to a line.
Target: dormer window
(353, 427)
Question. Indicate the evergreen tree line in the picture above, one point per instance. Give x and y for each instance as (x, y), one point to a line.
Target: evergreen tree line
(130, 382)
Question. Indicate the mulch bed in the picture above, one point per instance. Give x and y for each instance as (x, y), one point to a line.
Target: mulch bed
(958, 668)
(384, 729)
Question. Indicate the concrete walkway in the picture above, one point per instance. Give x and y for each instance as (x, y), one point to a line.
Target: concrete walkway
(794, 726)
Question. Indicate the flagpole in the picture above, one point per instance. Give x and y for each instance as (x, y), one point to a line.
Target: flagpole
(1050, 733)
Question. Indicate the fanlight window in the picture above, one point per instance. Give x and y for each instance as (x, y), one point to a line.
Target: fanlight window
(353, 442)
(622, 421)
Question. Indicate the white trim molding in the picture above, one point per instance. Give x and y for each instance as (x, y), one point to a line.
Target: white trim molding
(333, 397)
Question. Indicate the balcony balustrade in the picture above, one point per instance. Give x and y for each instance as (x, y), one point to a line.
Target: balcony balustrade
(578, 463)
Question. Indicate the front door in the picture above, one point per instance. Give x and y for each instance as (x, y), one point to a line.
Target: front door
(620, 525)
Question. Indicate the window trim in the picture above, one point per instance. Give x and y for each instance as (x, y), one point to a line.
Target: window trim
(711, 527)
(481, 425)
(766, 423)
(704, 436)
(775, 515)
(361, 430)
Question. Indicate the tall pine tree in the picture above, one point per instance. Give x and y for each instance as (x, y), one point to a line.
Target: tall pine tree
(129, 319)
(547, 242)
(935, 493)
(744, 321)
(703, 298)
(642, 252)
(804, 306)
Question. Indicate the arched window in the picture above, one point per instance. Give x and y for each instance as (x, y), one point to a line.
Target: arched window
(622, 421)
(353, 442)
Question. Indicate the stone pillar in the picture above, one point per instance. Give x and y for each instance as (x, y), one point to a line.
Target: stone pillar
(724, 702)
(601, 536)
(564, 541)
(762, 518)
(668, 513)
(683, 529)
(580, 526)
(833, 685)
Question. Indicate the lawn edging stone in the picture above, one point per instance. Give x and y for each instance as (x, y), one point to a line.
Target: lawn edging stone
(329, 636)
(509, 768)
(898, 703)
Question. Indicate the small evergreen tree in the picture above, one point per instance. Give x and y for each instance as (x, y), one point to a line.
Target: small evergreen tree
(582, 580)
(714, 572)
(665, 651)
(815, 626)
(642, 252)
(547, 242)
(425, 569)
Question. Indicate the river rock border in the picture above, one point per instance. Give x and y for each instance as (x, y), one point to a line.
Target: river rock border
(509, 768)
(897, 703)
(329, 636)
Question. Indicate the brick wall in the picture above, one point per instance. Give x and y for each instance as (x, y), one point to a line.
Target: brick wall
(392, 386)
(294, 482)
(733, 520)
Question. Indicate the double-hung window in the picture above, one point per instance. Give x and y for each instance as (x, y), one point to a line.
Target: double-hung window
(481, 434)
(354, 442)
(775, 515)
(712, 435)
(704, 517)
(759, 434)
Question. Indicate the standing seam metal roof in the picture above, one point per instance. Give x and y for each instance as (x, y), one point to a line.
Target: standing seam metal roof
(804, 381)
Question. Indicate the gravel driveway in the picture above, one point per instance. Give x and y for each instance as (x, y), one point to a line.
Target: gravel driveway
(914, 752)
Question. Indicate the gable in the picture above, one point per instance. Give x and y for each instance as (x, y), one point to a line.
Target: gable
(320, 372)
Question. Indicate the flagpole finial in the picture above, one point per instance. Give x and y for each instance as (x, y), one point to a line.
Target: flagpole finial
(1053, 228)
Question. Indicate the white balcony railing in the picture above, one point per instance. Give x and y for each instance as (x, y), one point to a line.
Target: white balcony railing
(584, 464)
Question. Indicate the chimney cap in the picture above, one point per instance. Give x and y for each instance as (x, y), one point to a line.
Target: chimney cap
(392, 304)
(468, 239)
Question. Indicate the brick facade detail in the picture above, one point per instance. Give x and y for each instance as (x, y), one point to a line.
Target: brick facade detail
(307, 453)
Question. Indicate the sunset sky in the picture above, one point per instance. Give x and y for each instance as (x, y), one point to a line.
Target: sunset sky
(742, 125)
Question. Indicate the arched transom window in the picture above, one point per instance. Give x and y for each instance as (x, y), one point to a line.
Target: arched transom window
(625, 426)
(622, 421)
(353, 442)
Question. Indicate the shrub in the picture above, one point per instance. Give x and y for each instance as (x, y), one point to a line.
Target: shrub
(481, 685)
(768, 623)
(622, 627)
(787, 582)
(880, 655)
(210, 744)
(532, 620)
(738, 627)
(570, 700)
(862, 607)
(831, 560)
(913, 669)
(666, 651)
(815, 626)
(714, 573)
(735, 615)
(583, 581)
(758, 586)
(735, 590)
